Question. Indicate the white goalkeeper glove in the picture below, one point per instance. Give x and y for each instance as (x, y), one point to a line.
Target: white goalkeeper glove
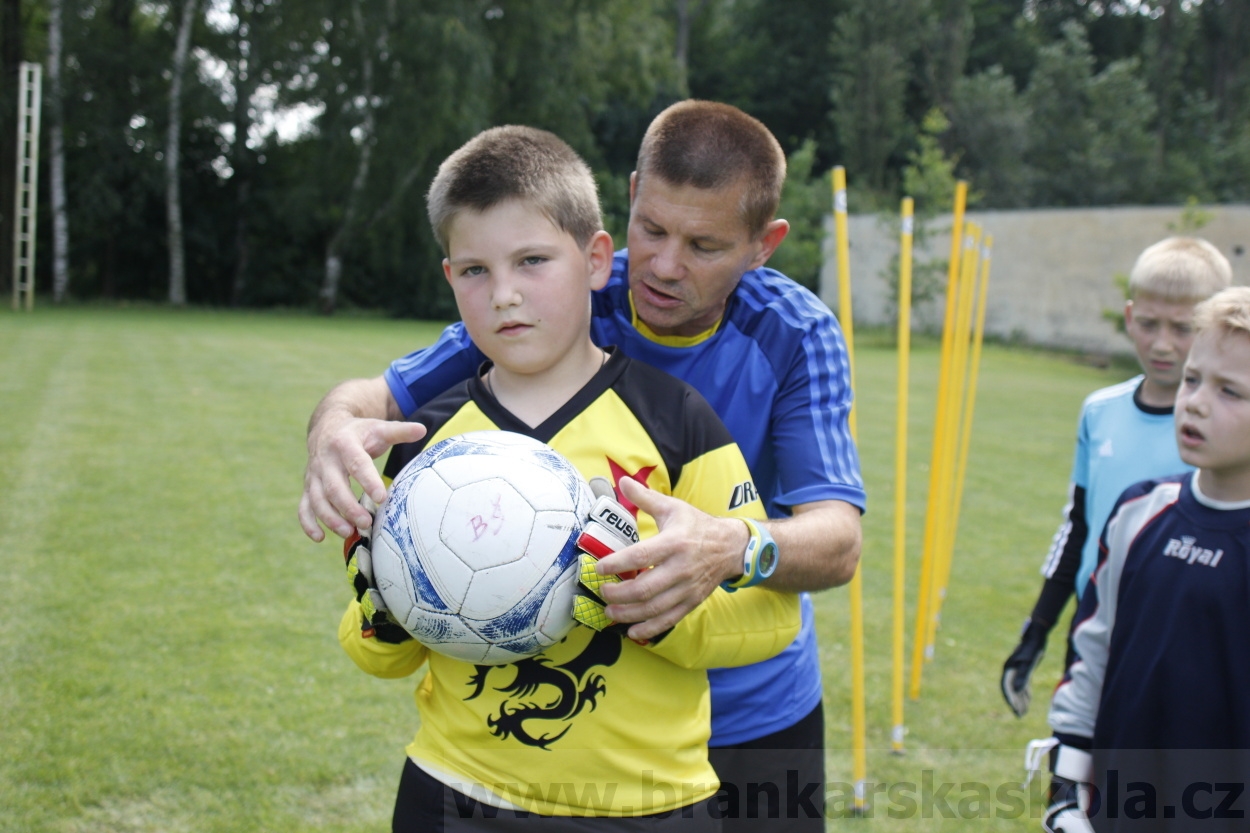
(1070, 788)
(610, 527)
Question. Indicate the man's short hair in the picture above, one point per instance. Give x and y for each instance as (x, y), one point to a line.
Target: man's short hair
(521, 163)
(712, 145)
(1180, 269)
(1227, 311)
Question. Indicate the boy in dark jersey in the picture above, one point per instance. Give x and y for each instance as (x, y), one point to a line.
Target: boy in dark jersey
(1152, 717)
(597, 730)
(1125, 432)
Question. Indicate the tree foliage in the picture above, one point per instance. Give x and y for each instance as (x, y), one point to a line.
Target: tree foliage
(310, 129)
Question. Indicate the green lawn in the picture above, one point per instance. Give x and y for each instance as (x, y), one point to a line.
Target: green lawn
(167, 651)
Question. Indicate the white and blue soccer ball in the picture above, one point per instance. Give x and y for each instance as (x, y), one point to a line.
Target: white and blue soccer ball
(475, 549)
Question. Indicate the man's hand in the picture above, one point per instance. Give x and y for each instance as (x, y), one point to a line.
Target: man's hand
(1019, 666)
(689, 557)
(352, 426)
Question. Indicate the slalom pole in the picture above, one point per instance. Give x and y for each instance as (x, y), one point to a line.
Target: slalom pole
(845, 318)
(935, 475)
(974, 369)
(959, 376)
(898, 731)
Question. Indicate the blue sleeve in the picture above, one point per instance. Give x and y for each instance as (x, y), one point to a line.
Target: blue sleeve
(1080, 457)
(815, 455)
(418, 377)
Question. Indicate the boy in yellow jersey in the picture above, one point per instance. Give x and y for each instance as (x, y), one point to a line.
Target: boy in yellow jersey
(598, 732)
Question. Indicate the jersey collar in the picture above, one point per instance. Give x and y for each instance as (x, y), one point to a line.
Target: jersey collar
(670, 341)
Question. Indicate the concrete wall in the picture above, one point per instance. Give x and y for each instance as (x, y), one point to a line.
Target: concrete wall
(1051, 272)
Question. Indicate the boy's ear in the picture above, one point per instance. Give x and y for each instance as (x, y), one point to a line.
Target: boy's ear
(447, 269)
(1128, 312)
(599, 259)
(633, 185)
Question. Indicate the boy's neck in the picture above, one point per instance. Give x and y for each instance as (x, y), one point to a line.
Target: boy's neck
(534, 397)
(1155, 395)
(1225, 486)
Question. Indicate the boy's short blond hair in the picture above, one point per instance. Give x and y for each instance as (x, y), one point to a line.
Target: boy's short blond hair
(521, 163)
(1180, 270)
(712, 145)
(1227, 311)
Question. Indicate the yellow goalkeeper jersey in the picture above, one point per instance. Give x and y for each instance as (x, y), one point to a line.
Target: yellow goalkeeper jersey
(597, 724)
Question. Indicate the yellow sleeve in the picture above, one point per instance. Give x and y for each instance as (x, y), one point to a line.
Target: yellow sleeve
(731, 629)
(373, 656)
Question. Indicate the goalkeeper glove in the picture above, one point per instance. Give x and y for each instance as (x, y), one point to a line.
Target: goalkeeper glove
(1019, 666)
(611, 527)
(377, 621)
(1072, 796)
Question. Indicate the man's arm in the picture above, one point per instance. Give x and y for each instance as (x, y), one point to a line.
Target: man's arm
(354, 423)
(694, 552)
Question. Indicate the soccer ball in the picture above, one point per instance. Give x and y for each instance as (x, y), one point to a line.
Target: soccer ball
(475, 549)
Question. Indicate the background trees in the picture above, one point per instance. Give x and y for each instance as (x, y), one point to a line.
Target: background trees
(307, 131)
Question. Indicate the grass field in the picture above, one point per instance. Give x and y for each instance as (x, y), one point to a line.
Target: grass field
(168, 659)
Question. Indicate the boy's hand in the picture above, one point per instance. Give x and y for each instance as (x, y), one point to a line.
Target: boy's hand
(611, 527)
(1070, 792)
(1019, 666)
(377, 620)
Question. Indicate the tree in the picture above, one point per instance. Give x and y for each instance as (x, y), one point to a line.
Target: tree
(1090, 141)
(173, 198)
(989, 126)
(56, 111)
(871, 52)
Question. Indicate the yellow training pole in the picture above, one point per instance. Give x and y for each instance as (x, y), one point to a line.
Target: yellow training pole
(954, 417)
(900, 470)
(939, 428)
(858, 728)
(965, 439)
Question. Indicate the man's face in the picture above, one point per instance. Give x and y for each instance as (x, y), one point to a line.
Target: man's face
(1161, 332)
(1213, 413)
(688, 248)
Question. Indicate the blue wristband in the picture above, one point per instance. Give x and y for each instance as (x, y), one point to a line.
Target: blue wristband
(759, 559)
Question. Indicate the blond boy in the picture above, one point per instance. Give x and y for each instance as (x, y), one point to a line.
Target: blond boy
(597, 726)
(1124, 434)
(1152, 715)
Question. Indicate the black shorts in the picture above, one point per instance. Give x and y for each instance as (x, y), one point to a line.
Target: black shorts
(775, 783)
(426, 805)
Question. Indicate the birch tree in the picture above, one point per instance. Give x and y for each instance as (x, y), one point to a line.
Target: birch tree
(173, 197)
(56, 112)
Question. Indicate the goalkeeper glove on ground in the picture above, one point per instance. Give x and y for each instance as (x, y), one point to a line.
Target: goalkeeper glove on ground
(610, 527)
(377, 621)
(1019, 666)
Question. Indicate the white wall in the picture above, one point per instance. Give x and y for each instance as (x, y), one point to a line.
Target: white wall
(1051, 272)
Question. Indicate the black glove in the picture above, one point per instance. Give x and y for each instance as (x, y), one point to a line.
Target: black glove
(1019, 666)
(378, 622)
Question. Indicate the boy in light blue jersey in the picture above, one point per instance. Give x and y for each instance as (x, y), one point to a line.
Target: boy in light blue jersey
(1150, 722)
(1125, 432)
(690, 296)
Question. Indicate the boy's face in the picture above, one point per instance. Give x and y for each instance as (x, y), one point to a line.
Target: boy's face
(522, 285)
(688, 248)
(1213, 413)
(1161, 332)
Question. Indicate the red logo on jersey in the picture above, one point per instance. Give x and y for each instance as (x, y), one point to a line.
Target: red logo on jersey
(618, 472)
